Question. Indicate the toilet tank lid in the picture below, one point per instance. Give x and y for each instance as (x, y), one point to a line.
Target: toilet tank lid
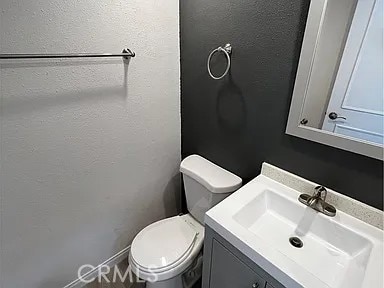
(210, 175)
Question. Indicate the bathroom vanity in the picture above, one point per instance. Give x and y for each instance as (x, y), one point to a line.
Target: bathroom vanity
(226, 267)
(263, 236)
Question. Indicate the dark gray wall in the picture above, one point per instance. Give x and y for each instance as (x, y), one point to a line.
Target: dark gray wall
(239, 122)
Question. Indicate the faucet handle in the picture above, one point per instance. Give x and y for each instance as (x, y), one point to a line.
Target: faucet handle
(319, 190)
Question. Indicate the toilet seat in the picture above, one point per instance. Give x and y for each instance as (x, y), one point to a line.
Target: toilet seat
(166, 248)
(160, 269)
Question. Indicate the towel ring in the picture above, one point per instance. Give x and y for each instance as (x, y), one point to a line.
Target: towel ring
(227, 50)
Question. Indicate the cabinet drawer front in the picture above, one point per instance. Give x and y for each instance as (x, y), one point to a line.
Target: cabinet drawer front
(227, 271)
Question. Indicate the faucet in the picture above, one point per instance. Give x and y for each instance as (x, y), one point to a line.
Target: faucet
(317, 201)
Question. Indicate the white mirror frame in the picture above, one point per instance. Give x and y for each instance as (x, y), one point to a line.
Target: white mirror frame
(307, 56)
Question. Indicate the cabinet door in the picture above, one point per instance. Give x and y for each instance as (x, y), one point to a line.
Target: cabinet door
(227, 271)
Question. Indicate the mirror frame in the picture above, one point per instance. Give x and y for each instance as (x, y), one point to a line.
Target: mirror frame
(308, 51)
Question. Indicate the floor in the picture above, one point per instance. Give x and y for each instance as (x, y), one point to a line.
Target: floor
(123, 266)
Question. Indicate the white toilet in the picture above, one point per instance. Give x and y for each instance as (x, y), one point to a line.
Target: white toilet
(169, 251)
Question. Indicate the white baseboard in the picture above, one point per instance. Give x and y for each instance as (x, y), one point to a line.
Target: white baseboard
(115, 259)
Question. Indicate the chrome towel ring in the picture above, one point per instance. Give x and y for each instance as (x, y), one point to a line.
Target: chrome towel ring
(227, 50)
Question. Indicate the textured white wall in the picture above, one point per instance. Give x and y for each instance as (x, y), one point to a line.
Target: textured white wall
(89, 149)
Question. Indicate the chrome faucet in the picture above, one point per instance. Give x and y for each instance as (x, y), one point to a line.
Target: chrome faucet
(317, 201)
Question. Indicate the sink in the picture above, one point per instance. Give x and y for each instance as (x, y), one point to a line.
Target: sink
(294, 243)
(324, 253)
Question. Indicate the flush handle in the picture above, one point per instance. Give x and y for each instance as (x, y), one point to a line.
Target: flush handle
(255, 285)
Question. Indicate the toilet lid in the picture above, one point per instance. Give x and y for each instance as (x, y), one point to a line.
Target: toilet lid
(163, 243)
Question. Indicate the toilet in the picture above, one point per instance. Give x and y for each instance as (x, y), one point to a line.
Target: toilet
(168, 253)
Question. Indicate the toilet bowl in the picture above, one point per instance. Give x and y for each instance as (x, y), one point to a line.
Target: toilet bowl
(165, 249)
(167, 253)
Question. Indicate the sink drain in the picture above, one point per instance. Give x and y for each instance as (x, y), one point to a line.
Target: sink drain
(296, 242)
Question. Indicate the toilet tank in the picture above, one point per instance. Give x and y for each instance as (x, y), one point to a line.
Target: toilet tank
(206, 184)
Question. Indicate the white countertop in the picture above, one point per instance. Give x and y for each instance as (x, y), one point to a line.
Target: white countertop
(282, 266)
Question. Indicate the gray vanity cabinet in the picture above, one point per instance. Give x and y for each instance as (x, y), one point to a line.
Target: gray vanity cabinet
(227, 271)
(226, 267)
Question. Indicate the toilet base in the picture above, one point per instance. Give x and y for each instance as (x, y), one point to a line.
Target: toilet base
(185, 280)
(175, 282)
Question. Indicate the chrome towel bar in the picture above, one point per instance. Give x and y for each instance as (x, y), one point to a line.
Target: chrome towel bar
(126, 54)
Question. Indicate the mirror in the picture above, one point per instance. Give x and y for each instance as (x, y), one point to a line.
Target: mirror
(338, 96)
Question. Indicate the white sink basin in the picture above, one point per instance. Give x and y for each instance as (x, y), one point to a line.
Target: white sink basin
(337, 252)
